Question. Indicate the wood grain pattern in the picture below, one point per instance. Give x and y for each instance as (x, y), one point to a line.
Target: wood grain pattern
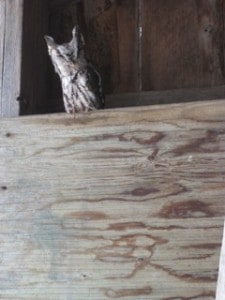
(10, 55)
(122, 204)
(127, 23)
(181, 44)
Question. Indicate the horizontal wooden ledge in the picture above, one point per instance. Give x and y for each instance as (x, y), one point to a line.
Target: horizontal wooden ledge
(195, 111)
(159, 97)
(165, 97)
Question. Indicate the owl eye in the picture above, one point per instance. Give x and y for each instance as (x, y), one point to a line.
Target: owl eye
(59, 53)
(65, 52)
(70, 54)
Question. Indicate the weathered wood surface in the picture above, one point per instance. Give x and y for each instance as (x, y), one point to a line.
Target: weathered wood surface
(10, 55)
(182, 44)
(220, 292)
(123, 204)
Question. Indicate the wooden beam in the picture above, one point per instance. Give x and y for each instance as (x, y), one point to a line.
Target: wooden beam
(11, 13)
(125, 203)
(23, 57)
(165, 97)
(156, 97)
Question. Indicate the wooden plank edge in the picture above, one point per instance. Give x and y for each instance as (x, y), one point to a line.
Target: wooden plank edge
(193, 111)
(11, 69)
(160, 97)
(220, 292)
(165, 96)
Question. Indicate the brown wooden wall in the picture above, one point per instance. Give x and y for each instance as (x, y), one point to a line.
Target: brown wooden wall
(181, 46)
(137, 45)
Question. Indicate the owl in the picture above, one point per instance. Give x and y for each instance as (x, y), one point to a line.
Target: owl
(81, 83)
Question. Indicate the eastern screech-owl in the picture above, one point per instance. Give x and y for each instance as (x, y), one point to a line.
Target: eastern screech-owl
(81, 83)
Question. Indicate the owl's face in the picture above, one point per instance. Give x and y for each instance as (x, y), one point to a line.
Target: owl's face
(64, 57)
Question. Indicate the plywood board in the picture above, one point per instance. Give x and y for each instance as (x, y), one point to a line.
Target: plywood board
(121, 204)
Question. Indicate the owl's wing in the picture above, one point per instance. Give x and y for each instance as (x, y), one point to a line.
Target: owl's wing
(94, 84)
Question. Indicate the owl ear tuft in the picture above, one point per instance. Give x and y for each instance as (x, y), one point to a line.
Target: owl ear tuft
(77, 37)
(50, 41)
(74, 31)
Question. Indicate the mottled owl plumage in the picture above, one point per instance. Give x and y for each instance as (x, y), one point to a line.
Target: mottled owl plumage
(81, 83)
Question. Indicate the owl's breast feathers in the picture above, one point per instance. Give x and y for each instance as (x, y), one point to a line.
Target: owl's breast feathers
(88, 79)
(82, 89)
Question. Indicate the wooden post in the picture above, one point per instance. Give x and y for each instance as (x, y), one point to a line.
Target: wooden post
(11, 13)
(23, 57)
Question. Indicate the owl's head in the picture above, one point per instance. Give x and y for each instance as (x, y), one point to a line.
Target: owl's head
(65, 55)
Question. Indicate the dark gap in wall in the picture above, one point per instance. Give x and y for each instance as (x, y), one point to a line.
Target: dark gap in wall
(139, 35)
